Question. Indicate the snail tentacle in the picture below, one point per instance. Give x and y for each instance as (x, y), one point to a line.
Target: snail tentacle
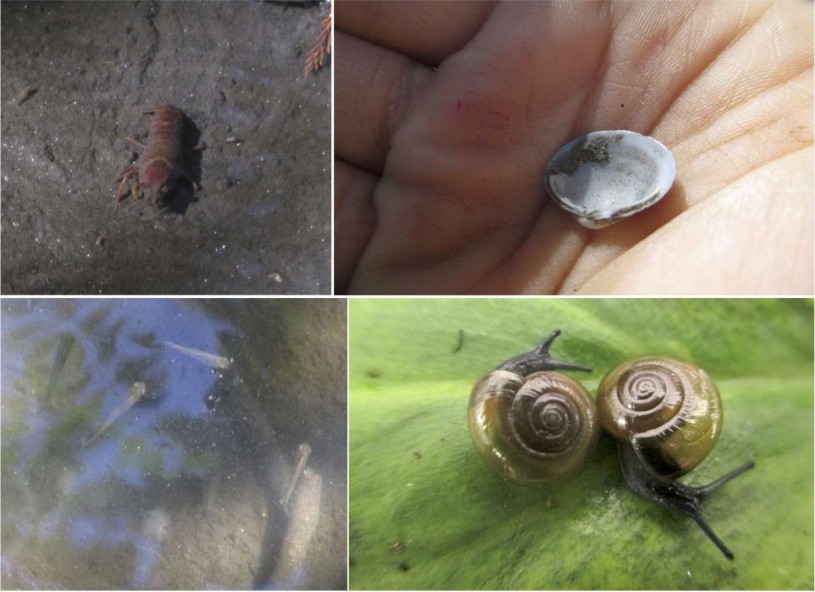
(539, 360)
(673, 495)
(697, 517)
(706, 490)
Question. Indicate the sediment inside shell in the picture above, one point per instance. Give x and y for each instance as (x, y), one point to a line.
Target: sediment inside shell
(606, 176)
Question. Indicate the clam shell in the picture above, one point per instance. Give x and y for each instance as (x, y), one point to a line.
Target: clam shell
(606, 176)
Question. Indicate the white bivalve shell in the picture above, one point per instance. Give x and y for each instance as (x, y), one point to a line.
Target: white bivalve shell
(606, 176)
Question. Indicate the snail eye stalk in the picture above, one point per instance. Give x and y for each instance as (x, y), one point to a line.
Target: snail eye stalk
(539, 360)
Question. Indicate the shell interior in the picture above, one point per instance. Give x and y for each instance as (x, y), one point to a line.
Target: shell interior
(603, 177)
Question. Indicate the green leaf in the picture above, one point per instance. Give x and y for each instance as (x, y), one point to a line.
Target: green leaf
(427, 512)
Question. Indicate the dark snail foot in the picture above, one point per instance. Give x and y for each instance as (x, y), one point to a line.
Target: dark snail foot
(539, 360)
(675, 496)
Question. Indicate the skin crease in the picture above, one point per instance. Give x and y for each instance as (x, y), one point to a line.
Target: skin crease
(447, 112)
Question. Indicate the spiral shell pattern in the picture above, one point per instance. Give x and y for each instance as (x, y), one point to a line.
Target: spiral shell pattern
(668, 409)
(532, 430)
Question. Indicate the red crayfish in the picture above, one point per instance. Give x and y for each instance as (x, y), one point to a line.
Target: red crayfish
(160, 167)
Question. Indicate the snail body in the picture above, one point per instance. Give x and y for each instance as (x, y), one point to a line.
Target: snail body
(667, 416)
(531, 424)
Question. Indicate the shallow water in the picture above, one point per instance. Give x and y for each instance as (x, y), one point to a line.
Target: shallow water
(180, 489)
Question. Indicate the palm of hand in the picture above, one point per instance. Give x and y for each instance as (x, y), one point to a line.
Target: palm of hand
(460, 206)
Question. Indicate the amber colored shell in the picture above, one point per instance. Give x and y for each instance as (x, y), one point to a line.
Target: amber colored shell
(668, 409)
(532, 430)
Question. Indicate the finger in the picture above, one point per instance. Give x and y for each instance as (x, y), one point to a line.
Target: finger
(354, 220)
(427, 31)
(464, 181)
(715, 142)
(544, 259)
(668, 262)
(374, 88)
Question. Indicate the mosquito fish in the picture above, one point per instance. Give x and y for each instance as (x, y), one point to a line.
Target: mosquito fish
(302, 524)
(303, 452)
(134, 395)
(26, 94)
(207, 358)
(66, 342)
(290, 525)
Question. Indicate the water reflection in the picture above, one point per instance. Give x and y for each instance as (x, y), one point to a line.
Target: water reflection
(154, 444)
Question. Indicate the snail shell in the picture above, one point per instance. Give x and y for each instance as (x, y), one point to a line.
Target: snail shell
(606, 176)
(667, 409)
(534, 429)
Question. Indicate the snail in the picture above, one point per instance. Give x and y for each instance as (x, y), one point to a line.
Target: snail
(534, 425)
(667, 416)
(530, 424)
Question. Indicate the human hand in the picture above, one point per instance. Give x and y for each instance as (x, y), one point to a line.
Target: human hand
(446, 114)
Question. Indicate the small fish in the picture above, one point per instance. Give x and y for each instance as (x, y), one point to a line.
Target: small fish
(303, 452)
(66, 342)
(207, 358)
(290, 524)
(135, 394)
(26, 94)
(303, 518)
